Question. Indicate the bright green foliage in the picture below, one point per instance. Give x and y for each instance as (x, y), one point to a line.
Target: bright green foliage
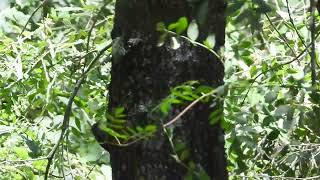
(180, 26)
(271, 110)
(38, 71)
(117, 127)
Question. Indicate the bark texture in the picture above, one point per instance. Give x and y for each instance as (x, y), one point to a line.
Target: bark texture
(142, 74)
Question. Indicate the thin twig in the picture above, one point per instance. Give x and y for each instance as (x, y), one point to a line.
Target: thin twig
(271, 69)
(280, 35)
(197, 43)
(62, 158)
(274, 68)
(67, 114)
(313, 51)
(33, 13)
(175, 119)
(91, 169)
(294, 26)
(185, 110)
(23, 161)
(95, 19)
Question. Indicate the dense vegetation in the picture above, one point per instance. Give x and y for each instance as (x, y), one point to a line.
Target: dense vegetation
(53, 53)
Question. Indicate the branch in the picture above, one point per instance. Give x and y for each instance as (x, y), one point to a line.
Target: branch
(274, 68)
(185, 110)
(23, 161)
(271, 69)
(196, 43)
(93, 25)
(67, 114)
(97, 161)
(33, 13)
(313, 51)
(280, 35)
(294, 26)
(172, 121)
(29, 70)
(94, 21)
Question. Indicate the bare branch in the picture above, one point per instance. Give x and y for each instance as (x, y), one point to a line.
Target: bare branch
(313, 49)
(67, 114)
(33, 13)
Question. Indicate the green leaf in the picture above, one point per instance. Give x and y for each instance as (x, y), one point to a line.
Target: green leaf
(180, 26)
(114, 133)
(245, 44)
(265, 67)
(150, 128)
(270, 97)
(165, 107)
(21, 152)
(253, 71)
(203, 89)
(248, 60)
(118, 113)
(40, 165)
(186, 97)
(76, 132)
(215, 116)
(184, 154)
(273, 135)
(210, 41)
(267, 120)
(78, 123)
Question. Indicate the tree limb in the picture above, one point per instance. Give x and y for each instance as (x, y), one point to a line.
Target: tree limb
(67, 114)
(33, 13)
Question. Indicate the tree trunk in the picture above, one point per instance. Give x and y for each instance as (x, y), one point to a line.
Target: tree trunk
(143, 73)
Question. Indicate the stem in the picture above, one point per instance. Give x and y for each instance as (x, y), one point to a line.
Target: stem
(67, 114)
(33, 13)
(313, 37)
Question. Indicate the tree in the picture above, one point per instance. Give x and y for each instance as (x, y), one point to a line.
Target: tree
(142, 75)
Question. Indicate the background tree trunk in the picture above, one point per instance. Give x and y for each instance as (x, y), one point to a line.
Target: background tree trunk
(142, 75)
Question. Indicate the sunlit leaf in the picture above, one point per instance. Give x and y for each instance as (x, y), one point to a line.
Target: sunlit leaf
(193, 31)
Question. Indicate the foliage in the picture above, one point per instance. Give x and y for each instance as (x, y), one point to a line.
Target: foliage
(271, 108)
(39, 69)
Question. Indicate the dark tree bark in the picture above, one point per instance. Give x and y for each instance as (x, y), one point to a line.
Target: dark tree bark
(142, 75)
